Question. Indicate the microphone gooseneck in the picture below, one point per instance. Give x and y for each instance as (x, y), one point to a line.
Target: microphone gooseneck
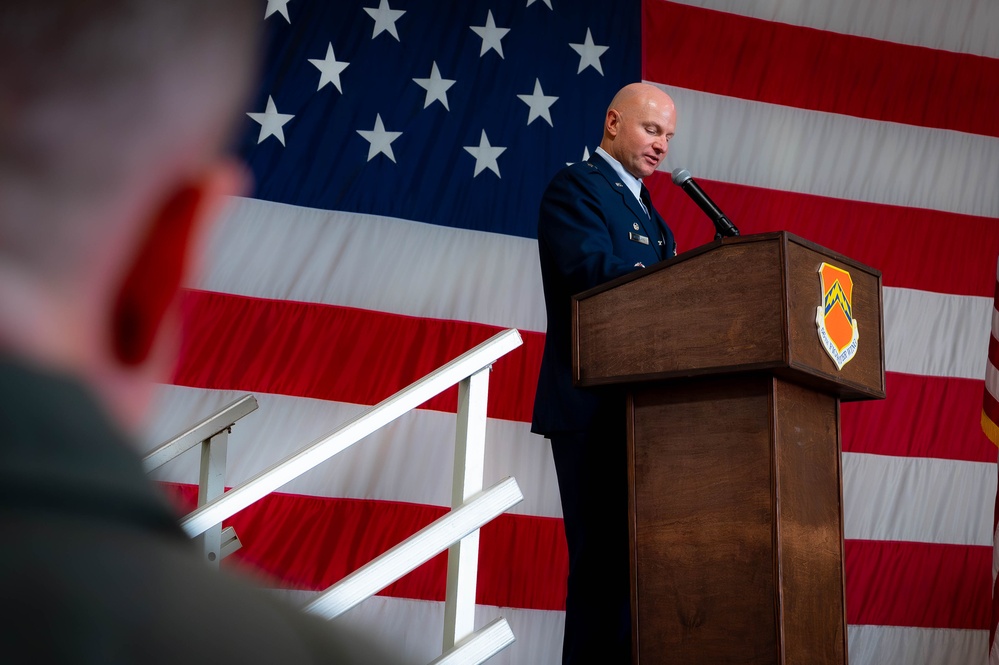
(723, 226)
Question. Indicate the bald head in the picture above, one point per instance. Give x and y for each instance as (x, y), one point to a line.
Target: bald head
(639, 124)
(636, 95)
(99, 97)
(114, 119)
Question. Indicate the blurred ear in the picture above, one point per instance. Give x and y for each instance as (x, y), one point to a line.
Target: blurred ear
(162, 260)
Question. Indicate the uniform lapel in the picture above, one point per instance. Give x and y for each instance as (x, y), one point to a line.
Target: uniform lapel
(667, 250)
(645, 224)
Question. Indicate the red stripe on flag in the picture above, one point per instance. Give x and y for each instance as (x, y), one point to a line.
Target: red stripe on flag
(311, 542)
(924, 416)
(921, 585)
(340, 354)
(303, 542)
(749, 58)
(938, 246)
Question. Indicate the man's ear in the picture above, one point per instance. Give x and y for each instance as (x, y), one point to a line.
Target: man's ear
(612, 122)
(164, 256)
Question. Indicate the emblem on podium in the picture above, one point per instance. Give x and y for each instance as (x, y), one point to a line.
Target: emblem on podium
(834, 318)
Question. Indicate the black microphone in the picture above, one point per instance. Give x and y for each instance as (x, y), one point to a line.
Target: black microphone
(723, 227)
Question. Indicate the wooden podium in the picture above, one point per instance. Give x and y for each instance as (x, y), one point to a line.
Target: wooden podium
(735, 505)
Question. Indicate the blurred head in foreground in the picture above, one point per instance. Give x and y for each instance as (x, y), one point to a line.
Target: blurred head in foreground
(114, 119)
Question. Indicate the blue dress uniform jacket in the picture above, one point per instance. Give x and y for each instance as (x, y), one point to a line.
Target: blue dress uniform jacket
(591, 229)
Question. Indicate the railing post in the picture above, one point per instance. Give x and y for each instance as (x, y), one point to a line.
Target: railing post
(469, 465)
(197, 434)
(211, 484)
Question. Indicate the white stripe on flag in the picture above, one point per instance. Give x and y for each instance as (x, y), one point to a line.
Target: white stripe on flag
(896, 645)
(274, 250)
(270, 250)
(935, 334)
(885, 498)
(917, 499)
(408, 461)
(827, 154)
(963, 26)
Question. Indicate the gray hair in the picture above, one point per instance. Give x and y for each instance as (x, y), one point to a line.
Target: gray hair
(99, 96)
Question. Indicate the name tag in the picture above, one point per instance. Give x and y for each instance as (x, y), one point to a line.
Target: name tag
(638, 238)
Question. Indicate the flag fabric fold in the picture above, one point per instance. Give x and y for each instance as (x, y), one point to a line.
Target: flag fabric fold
(990, 405)
(990, 426)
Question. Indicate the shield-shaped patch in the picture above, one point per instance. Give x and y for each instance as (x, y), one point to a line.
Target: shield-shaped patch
(834, 318)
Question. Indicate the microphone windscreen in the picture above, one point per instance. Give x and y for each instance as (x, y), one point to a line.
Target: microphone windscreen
(680, 176)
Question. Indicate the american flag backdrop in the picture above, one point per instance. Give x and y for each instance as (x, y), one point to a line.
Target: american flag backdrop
(400, 149)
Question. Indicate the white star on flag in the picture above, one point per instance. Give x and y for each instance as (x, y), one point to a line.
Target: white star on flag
(436, 87)
(586, 157)
(271, 122)
(380, 139)
(485, 156)
(589, 54)
(491, 35)
(539, 104)
(547, 2)
(277, 6)
(329, 69)
(385, 18)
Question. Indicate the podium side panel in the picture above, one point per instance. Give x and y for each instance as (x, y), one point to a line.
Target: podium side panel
(703, 515)
(809, 526)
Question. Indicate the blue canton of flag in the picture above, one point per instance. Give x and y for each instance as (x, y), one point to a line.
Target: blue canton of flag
(452, 113)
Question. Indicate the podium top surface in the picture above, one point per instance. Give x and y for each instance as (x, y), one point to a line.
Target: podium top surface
(751, 303)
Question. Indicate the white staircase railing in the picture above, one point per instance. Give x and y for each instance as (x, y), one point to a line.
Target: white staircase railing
(204, 431)
(212, 434)
(458, 530)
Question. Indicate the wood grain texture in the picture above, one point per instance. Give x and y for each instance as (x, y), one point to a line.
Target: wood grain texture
(739, 305)
(736, 518)
(735, 508)
(704, 555)
(808, 533)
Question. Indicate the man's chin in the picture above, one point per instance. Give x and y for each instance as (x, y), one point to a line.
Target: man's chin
(646, 168)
